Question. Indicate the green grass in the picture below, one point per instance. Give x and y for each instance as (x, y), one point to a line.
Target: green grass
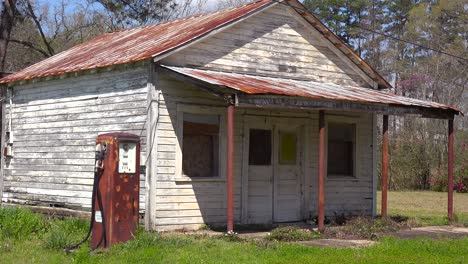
(426, 207)
(152, 248)
(39, 240)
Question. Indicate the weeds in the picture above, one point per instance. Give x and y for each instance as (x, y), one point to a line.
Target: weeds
(364, 228)
(18, 223)
(292, 233)
(65, 233)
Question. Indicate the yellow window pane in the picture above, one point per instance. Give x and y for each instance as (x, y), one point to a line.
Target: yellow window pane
(287, 148)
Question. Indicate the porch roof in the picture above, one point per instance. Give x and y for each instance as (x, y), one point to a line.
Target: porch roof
(263, 91)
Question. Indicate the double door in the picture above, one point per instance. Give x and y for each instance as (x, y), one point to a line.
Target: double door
(273, 170)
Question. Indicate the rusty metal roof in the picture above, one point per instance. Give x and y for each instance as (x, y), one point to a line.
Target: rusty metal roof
(133, 44)
(253, 84)
(155, 40)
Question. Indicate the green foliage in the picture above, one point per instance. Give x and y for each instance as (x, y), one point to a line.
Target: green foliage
(438, 179)
(138, 12)
(18, 223)
(292, 233)
(66, 233)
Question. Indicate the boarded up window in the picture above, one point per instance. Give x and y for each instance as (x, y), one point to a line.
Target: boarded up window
(287, 148)
(260, 147)
(200, 147)
(341, 149)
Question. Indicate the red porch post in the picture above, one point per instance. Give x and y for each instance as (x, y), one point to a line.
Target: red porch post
(321, 172)
(384, 166)
(450, 170)
(230, 168)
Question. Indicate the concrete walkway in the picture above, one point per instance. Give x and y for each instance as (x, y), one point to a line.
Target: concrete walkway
(337, 243)
(433, 232)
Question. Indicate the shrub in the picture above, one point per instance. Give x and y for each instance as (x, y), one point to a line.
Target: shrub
(438, 180)
(292, 233)
(19, 223)
(66, 233)
(369, 228)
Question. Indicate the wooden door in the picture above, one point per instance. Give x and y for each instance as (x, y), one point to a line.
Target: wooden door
(258, 170)
(287, 156)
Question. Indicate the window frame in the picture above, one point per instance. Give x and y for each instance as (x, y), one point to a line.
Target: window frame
(356, 150)
(200, 110)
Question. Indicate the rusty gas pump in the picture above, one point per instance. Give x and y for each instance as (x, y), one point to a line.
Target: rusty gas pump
(116, 201)
(116, 190)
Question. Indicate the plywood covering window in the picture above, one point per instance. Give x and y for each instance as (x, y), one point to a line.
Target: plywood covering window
(341, 149)
(260, 147)
(200, 147)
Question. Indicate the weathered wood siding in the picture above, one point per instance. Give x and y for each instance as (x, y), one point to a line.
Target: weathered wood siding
(182, 204)
(276, 42)
(55, 124)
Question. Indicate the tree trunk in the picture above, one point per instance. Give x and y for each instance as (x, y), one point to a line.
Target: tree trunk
(6, 25)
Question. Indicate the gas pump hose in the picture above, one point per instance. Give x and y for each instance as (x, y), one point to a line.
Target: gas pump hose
(96, 194)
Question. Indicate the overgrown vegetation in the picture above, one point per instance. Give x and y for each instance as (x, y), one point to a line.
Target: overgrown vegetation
(364, 228)
(65, 233)
(18, 223)
(292, 233)
(41, 242)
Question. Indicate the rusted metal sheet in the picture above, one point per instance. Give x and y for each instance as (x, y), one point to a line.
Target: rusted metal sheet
(133, 44)
(252, 84)
(145, 42)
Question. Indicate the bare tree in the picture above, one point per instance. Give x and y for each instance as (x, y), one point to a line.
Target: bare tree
(8, 12)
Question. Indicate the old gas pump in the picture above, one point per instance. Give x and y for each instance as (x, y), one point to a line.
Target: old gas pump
(117, 189)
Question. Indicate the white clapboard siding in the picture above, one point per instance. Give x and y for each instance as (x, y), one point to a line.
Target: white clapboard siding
(275, 42)
(190, 204)
(55, 124)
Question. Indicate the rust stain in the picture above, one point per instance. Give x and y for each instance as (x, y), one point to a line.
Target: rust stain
(134, 44)
(145, 42)
(252, 84)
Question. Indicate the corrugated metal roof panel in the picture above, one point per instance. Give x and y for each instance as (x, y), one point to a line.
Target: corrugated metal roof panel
(133, 44)
(252, 84)
(150, 41)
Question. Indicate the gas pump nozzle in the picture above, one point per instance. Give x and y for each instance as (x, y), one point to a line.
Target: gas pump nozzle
(99, 157)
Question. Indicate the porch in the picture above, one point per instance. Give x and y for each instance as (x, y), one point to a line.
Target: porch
(256, 92)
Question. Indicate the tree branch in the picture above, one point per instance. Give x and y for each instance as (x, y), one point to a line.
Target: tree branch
(31, 46)
(39, 27)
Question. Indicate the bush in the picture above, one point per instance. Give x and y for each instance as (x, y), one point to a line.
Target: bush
(66, 233)
(292, 233)
(17, 223)
(438, 180)
(369, 228)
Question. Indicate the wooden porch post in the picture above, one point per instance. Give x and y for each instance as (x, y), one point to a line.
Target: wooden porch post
(450, 170)
(321, 172)
(384, 166)
(230, 168)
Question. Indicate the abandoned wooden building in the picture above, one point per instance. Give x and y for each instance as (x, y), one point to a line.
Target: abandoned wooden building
(252, 115)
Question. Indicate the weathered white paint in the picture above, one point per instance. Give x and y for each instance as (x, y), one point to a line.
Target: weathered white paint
(57, 121)
(181, 202)
(55, 124)
(275, 42)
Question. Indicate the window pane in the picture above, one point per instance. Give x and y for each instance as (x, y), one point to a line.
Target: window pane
(260, 147)
(200, 147)
(287, 148)
(341, 141)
